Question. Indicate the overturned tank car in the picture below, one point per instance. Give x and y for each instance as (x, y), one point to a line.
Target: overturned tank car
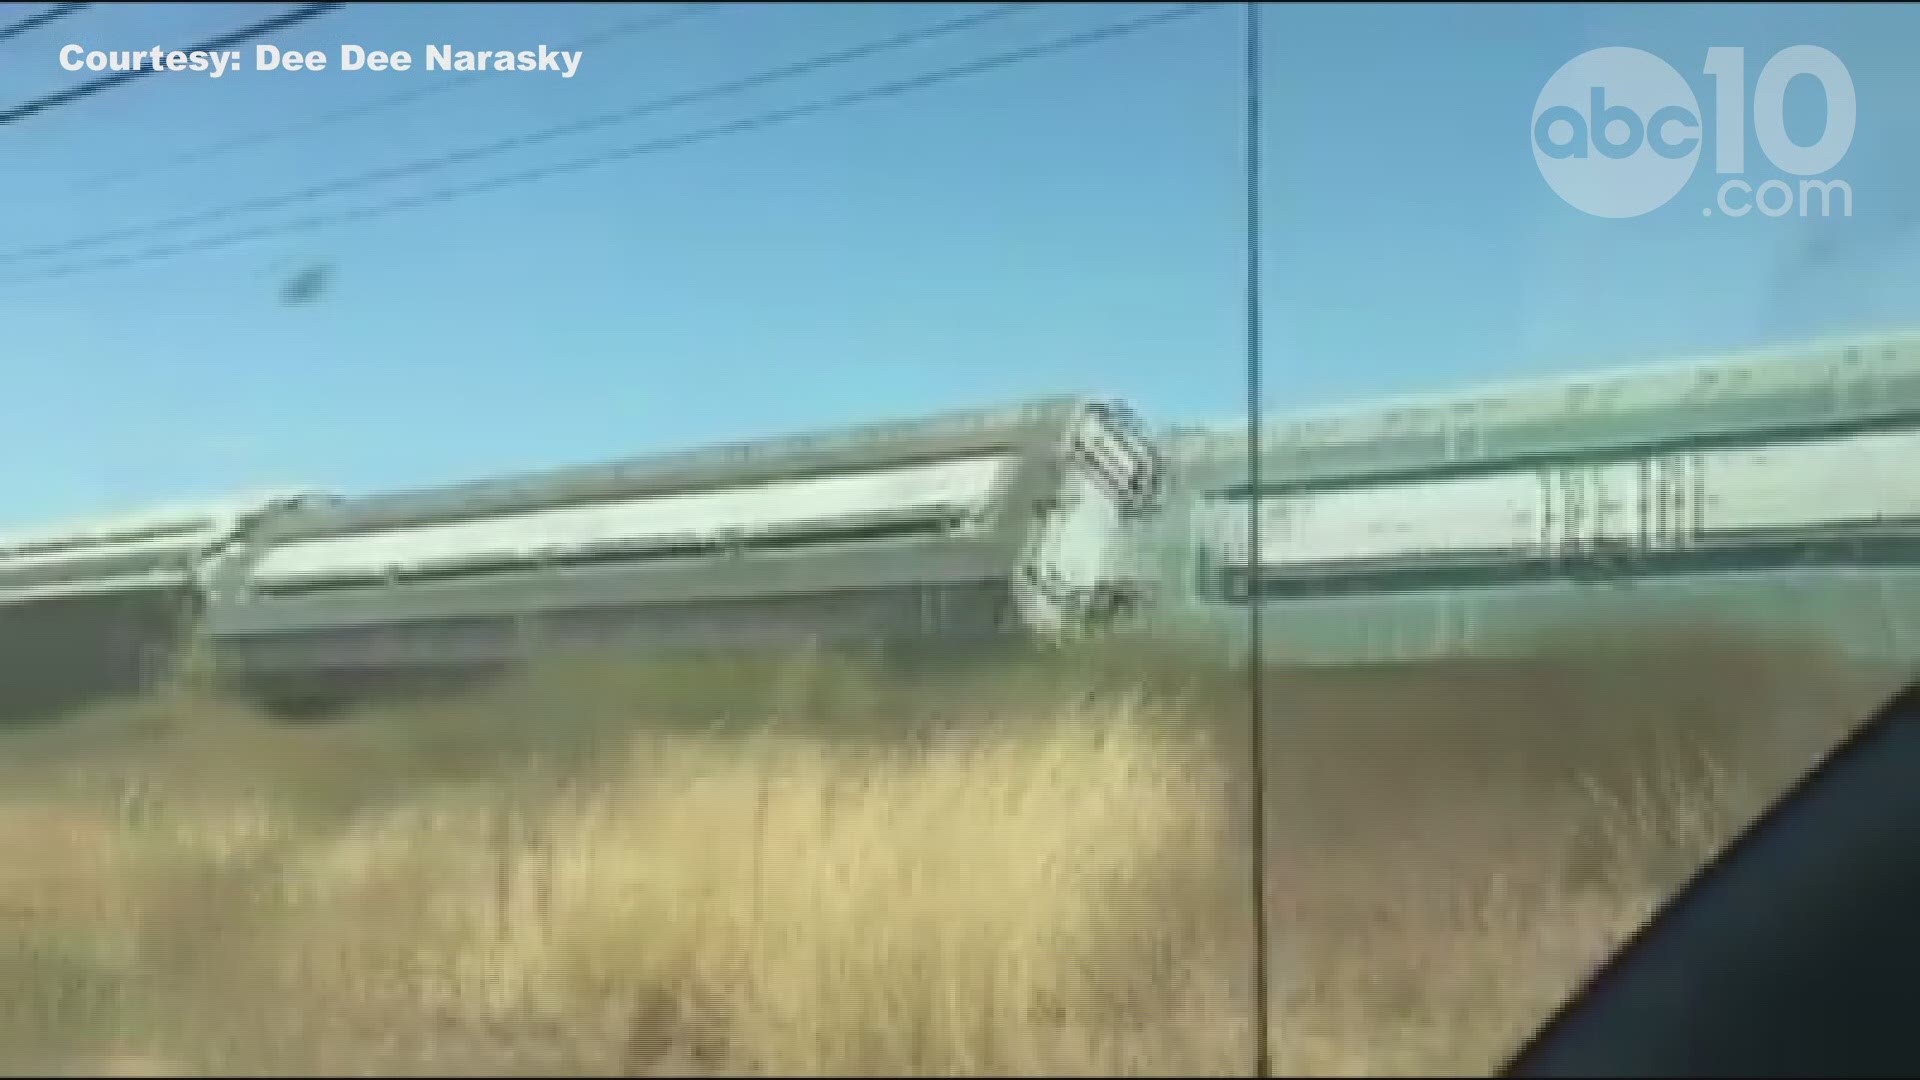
(970, 527)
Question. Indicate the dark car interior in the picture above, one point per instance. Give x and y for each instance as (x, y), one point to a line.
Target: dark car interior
(1795, 953)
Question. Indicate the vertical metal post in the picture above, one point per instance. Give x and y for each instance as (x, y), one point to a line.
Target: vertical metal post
(1262, 1053)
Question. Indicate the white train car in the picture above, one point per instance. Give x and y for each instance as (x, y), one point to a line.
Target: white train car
(102, 607)
(1645, 515)
(1776, 492)
(967, 527)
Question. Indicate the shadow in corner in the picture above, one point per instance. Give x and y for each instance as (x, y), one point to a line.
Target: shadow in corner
(1791, 954)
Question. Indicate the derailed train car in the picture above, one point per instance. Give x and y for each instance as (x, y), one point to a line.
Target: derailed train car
(1775, 492)
(971, 527)
(103, 607)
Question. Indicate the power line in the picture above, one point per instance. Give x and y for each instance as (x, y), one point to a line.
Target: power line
(683, 140)
(415, 91)
(38, 20)
(468, 155)
(1257, 705)
(107, 82)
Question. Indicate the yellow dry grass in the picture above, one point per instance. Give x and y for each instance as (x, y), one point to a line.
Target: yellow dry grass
(666, 872)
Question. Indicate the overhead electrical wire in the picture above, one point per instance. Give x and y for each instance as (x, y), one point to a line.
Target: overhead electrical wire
(680, 141)
(38, 20)
(414, 91)
(260, 29)
(468, 155)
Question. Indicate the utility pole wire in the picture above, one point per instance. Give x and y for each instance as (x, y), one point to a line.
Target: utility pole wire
(683, 140)
(346, 184)
(417, 89)
(109, 81)
(39, 19)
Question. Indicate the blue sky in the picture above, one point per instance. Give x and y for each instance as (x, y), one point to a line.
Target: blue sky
(1069, 223)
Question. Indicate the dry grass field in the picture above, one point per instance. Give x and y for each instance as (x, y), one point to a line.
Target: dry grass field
(814, 868)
